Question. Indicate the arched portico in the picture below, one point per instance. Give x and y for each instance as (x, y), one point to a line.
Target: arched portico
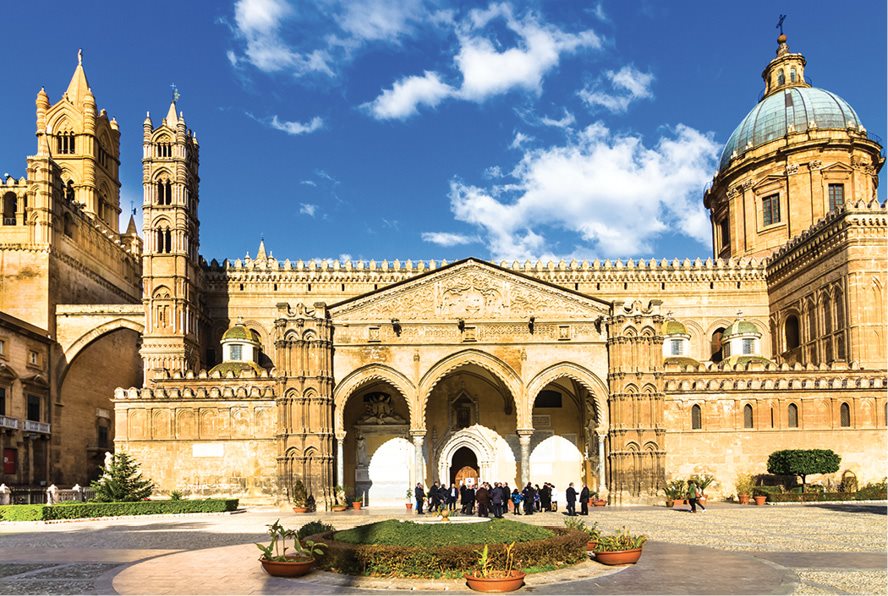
(496, 461)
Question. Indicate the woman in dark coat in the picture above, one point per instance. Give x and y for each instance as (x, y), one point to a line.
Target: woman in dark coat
(527, 495)
(482, 497)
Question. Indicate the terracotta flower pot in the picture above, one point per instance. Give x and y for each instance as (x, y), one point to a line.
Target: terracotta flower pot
(339, 508)
(760, 499)
(743, 499)
(293, 568)
(356, 504)
(599, 503)
(591, 545)
(670, 503)
(409, 506)
(300, 509)
(496, 584)
(618, 557)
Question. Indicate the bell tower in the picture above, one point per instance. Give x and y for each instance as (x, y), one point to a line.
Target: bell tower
(170, 263)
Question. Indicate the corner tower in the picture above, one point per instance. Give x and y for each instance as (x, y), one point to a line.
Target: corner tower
(800, 154)
(170, 262)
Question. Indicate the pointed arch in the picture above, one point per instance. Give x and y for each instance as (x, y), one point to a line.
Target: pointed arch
(596, 387)
(369, 374)
(505, 373)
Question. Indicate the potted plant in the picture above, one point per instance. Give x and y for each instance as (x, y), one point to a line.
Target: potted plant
(744, 484)
(299, 498)
(409, 500)
(620, 548)
(486, 578)
(593, 532)
(596, 502)
(675, 491)
(356, 502)
(275, 559)
(760, 496)
(339, 502)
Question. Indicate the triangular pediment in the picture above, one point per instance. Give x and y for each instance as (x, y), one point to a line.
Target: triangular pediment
(472, 290)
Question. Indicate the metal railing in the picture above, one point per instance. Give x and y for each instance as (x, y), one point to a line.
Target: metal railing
(9, 422)
(9, 221)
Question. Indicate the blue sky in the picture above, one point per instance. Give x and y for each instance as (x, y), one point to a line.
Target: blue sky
(418, 129)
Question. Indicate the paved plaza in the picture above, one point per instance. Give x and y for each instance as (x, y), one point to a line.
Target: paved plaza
(729, 549)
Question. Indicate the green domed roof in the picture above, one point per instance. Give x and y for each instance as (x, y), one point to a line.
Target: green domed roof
(796, 109)
(236, 367)
(741, 327)
(673, 327)
(239, 331)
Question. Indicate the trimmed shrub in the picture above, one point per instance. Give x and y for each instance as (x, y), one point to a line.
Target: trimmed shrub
(21, 512)
(314, 527)
(563, 547)
(397, 533)
(84, 510)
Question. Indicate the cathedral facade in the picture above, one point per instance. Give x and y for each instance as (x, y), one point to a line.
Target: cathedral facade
(244, 376)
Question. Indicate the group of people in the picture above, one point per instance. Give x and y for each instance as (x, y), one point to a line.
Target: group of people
(572, 495)
(485, 499)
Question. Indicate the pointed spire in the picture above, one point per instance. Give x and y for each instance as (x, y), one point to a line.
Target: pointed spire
(171, 119)
(260, 254)
(79, 86)
(131, 229)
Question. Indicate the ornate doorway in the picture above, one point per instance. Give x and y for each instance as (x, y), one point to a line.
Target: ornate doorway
(464, 467)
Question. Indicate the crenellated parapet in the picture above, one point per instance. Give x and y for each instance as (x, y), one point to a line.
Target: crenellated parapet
(867, 220)
(201, 391)
(385, 271)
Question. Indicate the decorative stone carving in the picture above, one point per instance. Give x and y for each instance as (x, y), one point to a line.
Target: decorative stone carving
(815, 164)
(473, 290)
(379, 410)
(792, 168)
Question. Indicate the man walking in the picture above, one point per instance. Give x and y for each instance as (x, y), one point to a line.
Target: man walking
(571, 496)
(419, 495)
(584, 500)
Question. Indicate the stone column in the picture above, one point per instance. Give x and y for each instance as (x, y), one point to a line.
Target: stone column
(340, 460)
(524, 436)
(419, 457)
(602, 486)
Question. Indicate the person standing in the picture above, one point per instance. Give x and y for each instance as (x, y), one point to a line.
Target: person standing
(571, 497)
(496, 499)
(470, 495)
(516, 502)
(463, 498)
(451, 498)
(527, 497)
(694, 493)
(546, 497)
(584, 500)
(419, 495)
(537, 502)
(482, 497)
(507, 496)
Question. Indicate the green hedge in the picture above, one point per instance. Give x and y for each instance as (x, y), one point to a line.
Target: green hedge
(564, 547)
(74, 510)
(399, 533)
(777, 497)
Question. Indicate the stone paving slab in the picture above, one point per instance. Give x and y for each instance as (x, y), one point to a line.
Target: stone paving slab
(828, 560)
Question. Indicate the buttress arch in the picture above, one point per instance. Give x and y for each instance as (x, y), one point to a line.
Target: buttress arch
(363, 376)
(499, 369)
(597, 389)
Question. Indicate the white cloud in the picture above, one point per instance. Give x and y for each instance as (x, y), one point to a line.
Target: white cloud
(485, 69)
(566, 121)
(297, 128)
(308, 209)
(308, 182)
(613, 192)
(629, 84)
(403, 99)
(493, 172)
(372, 20)
(449, 238)
(519, 139)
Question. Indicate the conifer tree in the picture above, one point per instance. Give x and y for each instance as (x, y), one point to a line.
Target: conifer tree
(121, 480)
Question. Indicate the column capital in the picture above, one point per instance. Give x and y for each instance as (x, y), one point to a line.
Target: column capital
(525, 433)
(340, 435)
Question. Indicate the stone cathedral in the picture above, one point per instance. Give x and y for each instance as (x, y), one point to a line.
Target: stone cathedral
(242, 376)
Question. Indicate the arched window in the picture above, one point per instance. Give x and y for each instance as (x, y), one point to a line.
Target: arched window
(793, 76)
(772, 416)
(696, 417)
(65, 143)
(845, 415)
(164, 192)
(10, 206)
(747, 416)
(781, 78)
(164, 240)
(793, 416)
(716, 345)
(791, 332)
(827, 329)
